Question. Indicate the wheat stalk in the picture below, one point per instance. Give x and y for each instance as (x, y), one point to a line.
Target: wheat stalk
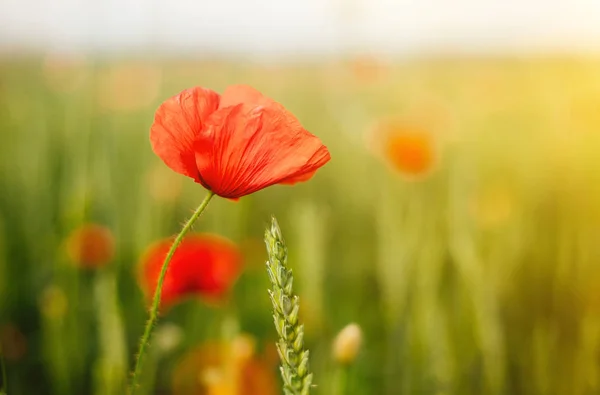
(294, 358)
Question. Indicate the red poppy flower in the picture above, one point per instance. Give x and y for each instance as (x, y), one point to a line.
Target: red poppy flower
(203, 265)
(236, 143)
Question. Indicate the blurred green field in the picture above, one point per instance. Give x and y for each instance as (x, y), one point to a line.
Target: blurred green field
(481, 277)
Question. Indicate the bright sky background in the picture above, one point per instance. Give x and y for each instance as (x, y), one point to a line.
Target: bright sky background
(266, 27)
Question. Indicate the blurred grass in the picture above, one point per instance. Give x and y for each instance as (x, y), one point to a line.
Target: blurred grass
(482, 277)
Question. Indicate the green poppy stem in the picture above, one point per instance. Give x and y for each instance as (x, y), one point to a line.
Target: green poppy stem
(145, 340)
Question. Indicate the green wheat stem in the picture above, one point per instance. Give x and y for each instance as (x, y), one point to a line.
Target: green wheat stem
(145, 339)
(3, 388)
(294, 358)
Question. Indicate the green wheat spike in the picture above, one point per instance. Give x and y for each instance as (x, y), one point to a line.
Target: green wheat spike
(297, 379)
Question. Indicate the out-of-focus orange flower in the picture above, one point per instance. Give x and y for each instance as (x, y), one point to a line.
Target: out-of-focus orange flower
(409, 149)
(91, 246)
(411, 152)
(203, 265)
(64, 73)
(13, 343)
(129, 87)
(234, 144)
(225, 369)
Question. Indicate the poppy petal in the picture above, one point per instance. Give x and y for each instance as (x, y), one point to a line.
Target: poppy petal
(177, 123)
(321, 156)
(244, 149)
(296, 179)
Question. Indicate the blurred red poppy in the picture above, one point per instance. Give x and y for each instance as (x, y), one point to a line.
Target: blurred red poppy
(203, 265)
(91, 246)
(234, 144)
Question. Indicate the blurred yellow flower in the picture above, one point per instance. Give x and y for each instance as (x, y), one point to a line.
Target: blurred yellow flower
(90, 246)
(225, 369)
(129, 86)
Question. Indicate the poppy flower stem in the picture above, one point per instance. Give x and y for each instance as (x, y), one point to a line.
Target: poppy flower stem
(145, 340)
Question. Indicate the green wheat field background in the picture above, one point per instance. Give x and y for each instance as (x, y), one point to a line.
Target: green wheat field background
(481, 276)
